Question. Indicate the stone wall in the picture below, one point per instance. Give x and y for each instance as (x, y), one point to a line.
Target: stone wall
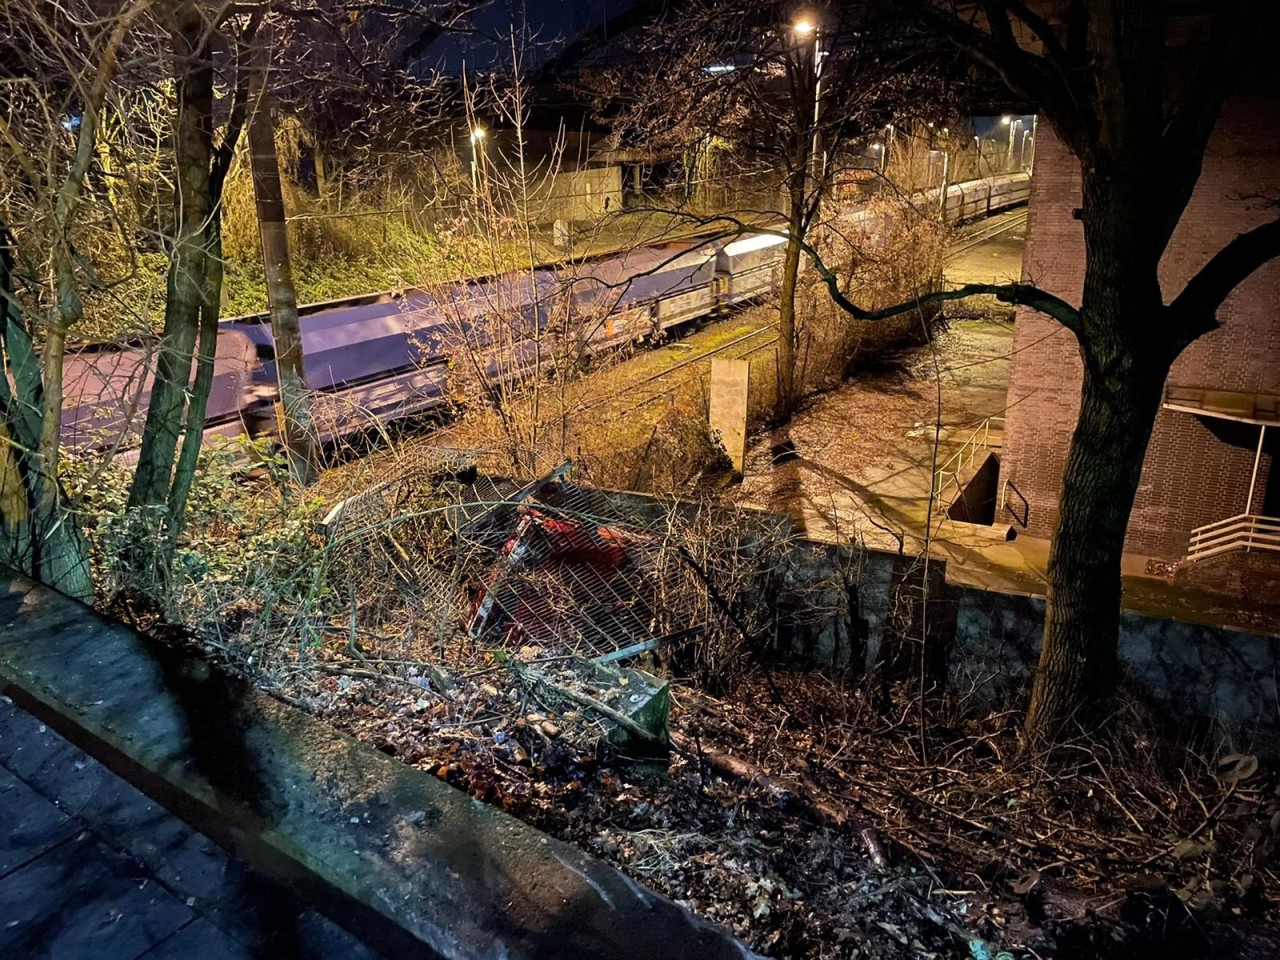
(858, 605)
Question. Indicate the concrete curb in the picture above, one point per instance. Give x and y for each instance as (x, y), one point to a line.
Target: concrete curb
(411, 865)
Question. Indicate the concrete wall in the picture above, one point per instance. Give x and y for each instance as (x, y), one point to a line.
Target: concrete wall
(585, 194)
(1197, 471)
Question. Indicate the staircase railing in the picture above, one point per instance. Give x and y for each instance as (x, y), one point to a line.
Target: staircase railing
(953, 467)
(1246, 531)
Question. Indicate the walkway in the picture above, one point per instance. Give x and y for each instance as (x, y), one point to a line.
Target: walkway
(90, 869)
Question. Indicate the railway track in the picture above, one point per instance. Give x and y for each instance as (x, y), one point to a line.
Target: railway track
(663, 376)
(988, 231)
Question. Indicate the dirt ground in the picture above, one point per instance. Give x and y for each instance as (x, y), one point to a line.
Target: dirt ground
(814, 823)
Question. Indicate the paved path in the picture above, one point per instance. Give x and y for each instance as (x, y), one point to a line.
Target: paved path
(90, 869)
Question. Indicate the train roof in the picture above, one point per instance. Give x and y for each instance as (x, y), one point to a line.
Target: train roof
(753, 242)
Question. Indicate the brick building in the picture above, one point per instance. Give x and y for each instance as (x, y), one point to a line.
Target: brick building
(1218, 433)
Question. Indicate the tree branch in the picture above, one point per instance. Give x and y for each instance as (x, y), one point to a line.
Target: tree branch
(1026, 74)
(224, 152)
(1019, 294)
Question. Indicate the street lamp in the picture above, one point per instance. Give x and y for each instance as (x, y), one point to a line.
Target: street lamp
(477, 145)
(1013, 133)
(881, 152)
(803, 28)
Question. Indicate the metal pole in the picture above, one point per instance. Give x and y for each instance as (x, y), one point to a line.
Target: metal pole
(818, 160)
(942, 191)
(1253, 480)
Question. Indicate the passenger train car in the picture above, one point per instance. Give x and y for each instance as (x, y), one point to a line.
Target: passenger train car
(377, 358)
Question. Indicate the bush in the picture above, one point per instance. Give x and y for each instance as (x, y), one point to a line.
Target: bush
(244, 528)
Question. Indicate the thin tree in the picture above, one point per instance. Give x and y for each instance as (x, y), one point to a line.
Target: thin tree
(293, 408)
(201, 163)
(790, 92)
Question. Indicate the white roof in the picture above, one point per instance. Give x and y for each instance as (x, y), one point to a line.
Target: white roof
(757, 241)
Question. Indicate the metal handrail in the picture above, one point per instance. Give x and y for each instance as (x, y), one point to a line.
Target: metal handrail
(1245, 531)
(949, 473)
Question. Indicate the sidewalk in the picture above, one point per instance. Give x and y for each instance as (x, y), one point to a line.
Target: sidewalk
(90, 869)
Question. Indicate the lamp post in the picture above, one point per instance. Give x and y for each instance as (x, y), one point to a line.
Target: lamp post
(1013, 125)
(803, 28)
(477, 151)
(977, 155)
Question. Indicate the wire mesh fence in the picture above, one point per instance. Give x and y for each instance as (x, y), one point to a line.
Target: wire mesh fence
(489, 562)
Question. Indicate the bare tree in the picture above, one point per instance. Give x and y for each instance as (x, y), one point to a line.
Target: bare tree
(792, 93)
(1138, 120)
(293, 410)
(176, 412)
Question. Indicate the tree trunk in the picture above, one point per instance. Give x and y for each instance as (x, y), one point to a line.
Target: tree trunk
(39, 535)
(188, 264)
(787, 333)
(322, 179)
(1079, 669)
(193, 430)
(1127, 347)
(293, 409)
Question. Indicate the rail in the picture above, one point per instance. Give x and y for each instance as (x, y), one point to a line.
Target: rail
(953, 467)
(987, 232)
(1245, 531)
(1021, 515)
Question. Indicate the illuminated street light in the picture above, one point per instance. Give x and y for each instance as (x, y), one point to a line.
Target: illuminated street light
(804, 27)
(477, 147)
(1005, 120)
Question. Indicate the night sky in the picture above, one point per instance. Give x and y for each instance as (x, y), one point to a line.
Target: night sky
(548, 23)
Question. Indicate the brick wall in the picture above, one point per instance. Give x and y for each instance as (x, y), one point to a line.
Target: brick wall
(1197, 469)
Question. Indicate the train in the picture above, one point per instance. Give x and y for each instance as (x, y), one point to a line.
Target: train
(386, 356)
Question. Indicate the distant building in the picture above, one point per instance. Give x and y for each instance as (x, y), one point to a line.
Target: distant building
(1213, 452)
